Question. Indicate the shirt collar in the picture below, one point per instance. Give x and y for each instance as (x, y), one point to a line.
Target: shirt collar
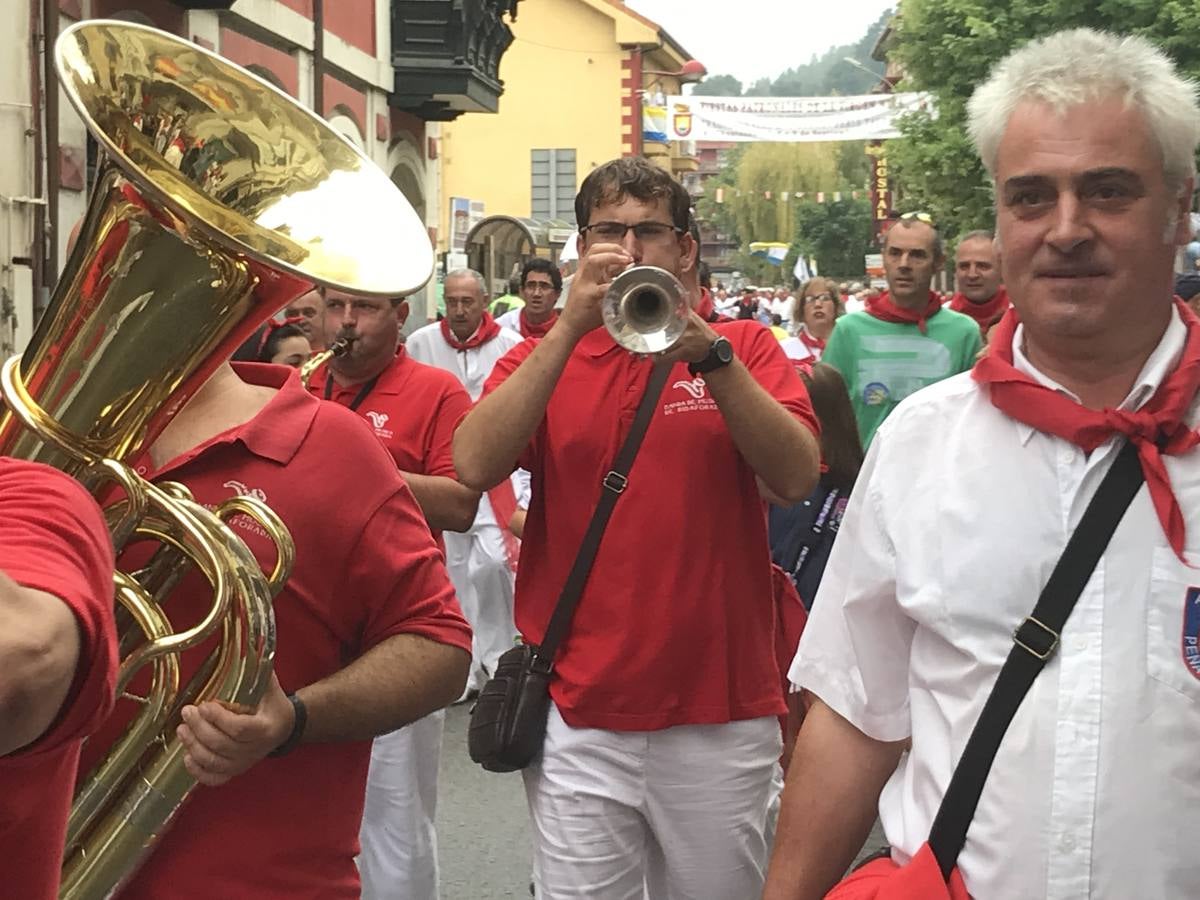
(1158, 366)
(597, 342)
(280, 427)
(391, 380)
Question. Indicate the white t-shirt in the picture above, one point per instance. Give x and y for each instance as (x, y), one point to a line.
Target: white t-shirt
(958, 517)
(471, 367)
(510, 320)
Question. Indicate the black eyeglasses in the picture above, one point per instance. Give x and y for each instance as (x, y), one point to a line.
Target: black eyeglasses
(645, 232)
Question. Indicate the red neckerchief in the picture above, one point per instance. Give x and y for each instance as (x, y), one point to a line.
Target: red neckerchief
(815, 345)
(884, 309)
(986, 314)
(487, 330)
(529, 329)
(1157, 429)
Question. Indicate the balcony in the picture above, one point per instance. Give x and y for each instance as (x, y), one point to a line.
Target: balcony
(446, 54)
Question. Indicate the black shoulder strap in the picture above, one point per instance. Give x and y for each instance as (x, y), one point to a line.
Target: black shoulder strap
(613, 485)
(1034, 642)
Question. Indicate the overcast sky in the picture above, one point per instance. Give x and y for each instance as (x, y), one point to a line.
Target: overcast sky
(752, 39)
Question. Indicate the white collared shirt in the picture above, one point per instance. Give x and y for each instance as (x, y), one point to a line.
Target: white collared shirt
(471, 367)
(959, 516)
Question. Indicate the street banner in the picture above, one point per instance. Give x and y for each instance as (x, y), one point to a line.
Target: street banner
(787, 119)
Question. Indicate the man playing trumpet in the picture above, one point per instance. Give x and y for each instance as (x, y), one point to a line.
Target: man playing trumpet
(669, 655)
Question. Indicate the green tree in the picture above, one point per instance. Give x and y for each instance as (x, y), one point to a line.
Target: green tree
(948, 47)
(837, 235)
(760, 188)
(719, 86)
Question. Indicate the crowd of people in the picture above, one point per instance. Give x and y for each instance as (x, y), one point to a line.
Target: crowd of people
(844, 508)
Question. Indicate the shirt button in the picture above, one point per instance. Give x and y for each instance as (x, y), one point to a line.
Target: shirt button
(1067, 843)
(1079, 643)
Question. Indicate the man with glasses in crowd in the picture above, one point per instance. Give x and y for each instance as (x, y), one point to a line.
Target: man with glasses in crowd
(541, 283)
(904, 340)
(670, 656)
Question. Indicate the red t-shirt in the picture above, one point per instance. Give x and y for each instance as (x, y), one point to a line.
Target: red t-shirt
(676, 624)
(53, 539)
(413, 409)
(366, 569)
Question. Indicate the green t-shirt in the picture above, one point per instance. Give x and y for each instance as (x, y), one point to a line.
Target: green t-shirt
(884, 362)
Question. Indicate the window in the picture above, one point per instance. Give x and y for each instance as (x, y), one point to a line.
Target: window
(553, 184)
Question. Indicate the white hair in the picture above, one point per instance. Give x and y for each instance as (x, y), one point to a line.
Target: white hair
(468, 273)
(1069, 68)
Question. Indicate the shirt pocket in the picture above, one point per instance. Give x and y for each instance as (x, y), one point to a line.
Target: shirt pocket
(1173, 623)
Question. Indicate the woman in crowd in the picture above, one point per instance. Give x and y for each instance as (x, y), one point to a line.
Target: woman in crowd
(815, 312)
(281, 343)
(802, 535)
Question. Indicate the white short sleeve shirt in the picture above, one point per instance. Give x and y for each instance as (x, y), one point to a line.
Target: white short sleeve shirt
(959, 515)
(471, 367)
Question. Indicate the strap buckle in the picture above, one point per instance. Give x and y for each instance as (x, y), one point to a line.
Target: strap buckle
(1037, 638)
(615, 482)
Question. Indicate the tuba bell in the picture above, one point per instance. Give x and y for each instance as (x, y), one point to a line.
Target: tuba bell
(646, 309)
(219, 199)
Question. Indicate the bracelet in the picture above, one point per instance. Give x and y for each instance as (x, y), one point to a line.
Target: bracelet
(298, 724)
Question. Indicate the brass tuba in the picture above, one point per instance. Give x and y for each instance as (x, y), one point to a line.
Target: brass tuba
(218, 200)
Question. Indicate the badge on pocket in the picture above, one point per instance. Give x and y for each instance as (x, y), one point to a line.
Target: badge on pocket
(1191, 631)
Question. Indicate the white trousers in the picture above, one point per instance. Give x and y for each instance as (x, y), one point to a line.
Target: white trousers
(664, 815)
(478, 567)
(398, 859)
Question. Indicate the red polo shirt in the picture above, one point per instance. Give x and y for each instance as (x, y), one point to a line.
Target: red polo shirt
(413, 409)
(677, 623)
(53, 539)
(366, 569)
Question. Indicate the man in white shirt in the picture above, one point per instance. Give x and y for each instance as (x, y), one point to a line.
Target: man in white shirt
(467, 344)
(966, 501)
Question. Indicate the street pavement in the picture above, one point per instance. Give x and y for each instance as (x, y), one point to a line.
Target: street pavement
(483, 824)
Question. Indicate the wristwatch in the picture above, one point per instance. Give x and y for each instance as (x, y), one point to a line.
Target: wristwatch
(720, 354)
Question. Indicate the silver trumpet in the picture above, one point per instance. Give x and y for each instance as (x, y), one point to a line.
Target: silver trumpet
(646, 309)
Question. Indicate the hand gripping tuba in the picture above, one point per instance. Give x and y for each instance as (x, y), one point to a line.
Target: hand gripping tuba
(219, 200)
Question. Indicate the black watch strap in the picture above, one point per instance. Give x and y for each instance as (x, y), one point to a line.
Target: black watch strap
(298, 725)
(720, 354)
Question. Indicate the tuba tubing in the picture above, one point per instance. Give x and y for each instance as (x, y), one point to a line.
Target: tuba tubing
(218, 200)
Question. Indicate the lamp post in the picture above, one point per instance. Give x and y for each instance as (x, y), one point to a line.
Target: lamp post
(881, 79)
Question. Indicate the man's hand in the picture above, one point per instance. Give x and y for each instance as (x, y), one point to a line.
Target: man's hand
(693, 345)
(597, 269)
(221, 743)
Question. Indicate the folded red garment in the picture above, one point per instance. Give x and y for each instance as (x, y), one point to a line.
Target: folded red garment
(882, 879)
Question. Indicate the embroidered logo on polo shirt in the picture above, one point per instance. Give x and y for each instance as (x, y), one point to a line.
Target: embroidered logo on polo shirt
(697, 401)
(244, 491)
(695, 387)
(1191, 631)
(241, 520)
(378, 421)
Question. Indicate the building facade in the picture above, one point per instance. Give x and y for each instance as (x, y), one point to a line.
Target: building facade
(575, 81)
(349, 59)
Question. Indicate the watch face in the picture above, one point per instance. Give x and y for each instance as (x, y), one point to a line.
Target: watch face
(724, 350)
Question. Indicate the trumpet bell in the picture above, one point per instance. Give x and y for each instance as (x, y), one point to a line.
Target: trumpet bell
(646, 309)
